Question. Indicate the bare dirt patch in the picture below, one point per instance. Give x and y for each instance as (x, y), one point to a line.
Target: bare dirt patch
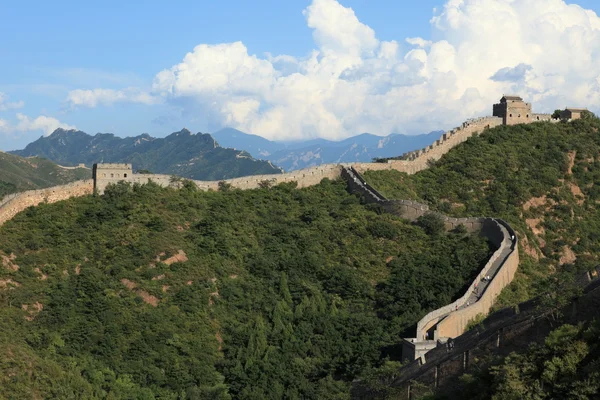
(147, 297)
(78, 269)
(390, 258)
(179, 257)
(129, 284)
(534, 225)
(8, 283)
(571, 155)
(528, 249)
(536, 202)
(568, 256)
(43, 276)
(576, 190)
(159, 277)
(7, 262)
(211, 296)
(32, 310)
(165, 288)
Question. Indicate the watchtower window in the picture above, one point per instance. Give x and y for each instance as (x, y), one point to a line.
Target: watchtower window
(538, 118)
(112, 175)
(527, 116)
(510, 115)
(117, 175)
(519, 116)
(124, 175)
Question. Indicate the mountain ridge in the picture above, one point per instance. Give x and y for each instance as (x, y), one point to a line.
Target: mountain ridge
(183, 153)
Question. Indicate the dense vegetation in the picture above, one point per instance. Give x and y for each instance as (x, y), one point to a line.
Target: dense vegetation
(19, 173)
(194, 156)
(566, 365)
(274, 293)
(538, 177)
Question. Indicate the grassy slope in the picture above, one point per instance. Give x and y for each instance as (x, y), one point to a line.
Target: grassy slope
(19, 173)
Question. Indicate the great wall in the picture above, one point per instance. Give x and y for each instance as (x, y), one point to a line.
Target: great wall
(437, 327)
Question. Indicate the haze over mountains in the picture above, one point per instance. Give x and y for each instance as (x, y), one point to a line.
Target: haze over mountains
(194, 156)
(297, 155)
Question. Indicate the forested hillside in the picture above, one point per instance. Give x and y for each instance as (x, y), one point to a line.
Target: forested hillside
(150, 292)
(542, 179)
(20, 173)
(539, 177)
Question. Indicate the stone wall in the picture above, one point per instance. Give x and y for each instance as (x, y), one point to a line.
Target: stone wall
(17, 202)
(415, 161)
(451, 319)
(304, 178)
(543, 118)
(505, 331)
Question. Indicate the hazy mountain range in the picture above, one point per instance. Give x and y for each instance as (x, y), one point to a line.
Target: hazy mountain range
(297, 155)
(228, 153)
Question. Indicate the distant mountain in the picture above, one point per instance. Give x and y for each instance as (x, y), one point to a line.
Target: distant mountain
(297, 155)
(194, 156)
(18, 173)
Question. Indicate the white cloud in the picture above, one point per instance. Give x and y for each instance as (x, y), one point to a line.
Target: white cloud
(352, 82)
(26, 124)
(94, 97)
(5, 105)
(419, 42)
(41, 123)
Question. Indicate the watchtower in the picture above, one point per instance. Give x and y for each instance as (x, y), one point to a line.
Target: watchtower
(103, 174)
(572, 113)
(513, 110)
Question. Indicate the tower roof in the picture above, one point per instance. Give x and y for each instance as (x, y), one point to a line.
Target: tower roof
(511, 97)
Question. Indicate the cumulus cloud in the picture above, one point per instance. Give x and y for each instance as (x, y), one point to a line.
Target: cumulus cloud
(23, 123)
(41, 123)
(352, 82)
(93, 97)
(5, 105)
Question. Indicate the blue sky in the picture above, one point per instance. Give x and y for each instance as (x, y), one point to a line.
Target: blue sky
(94, 65)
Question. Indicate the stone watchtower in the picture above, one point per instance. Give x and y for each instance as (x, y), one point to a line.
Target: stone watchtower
(103, 174)
(513, 110)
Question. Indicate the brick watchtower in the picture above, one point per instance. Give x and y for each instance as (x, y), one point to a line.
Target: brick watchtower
(103, 174)
(513, 110)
